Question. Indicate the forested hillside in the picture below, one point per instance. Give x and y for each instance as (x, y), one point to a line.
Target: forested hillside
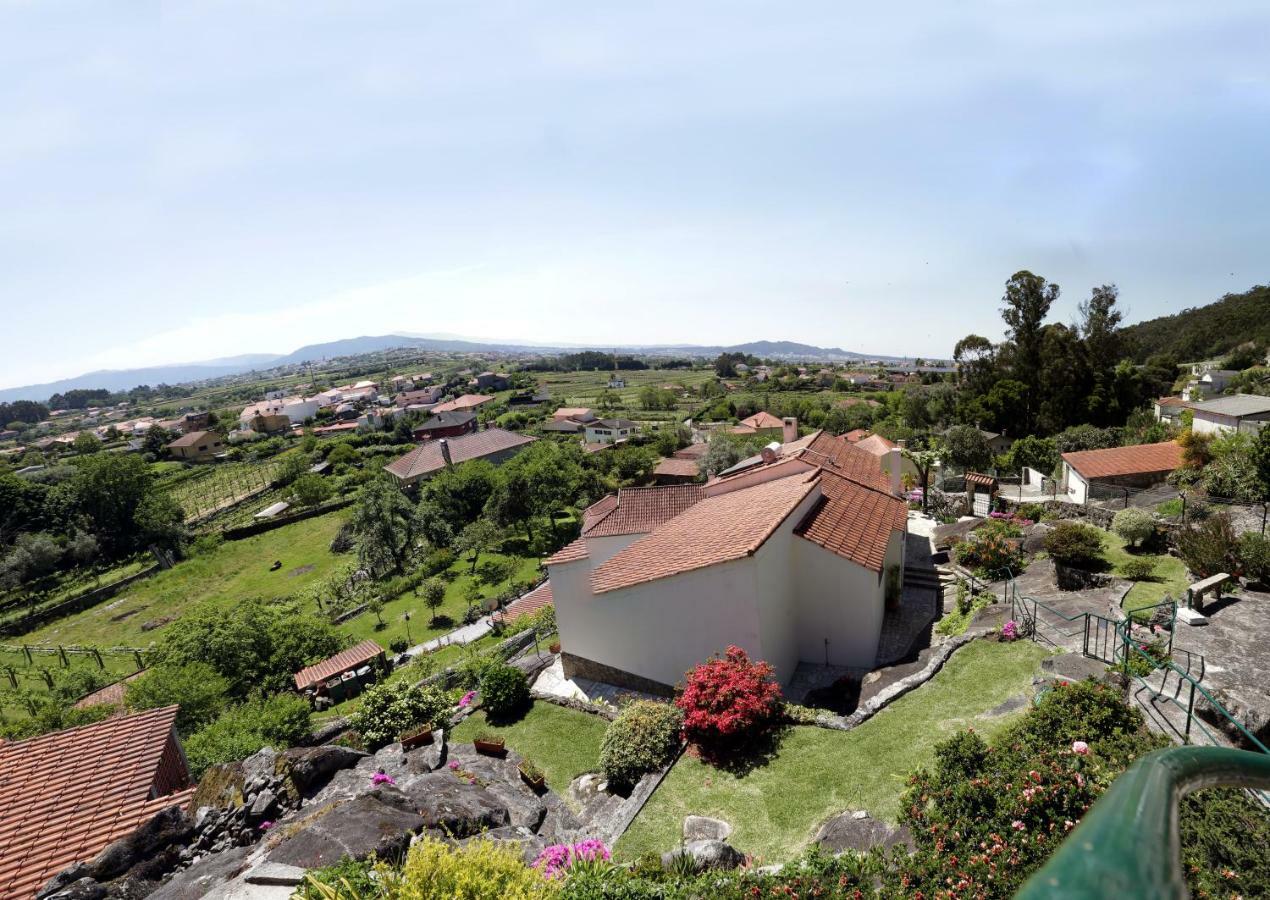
(1205, 331)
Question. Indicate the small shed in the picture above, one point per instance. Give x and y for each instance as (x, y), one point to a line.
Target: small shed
(345, 674)
(980, 491)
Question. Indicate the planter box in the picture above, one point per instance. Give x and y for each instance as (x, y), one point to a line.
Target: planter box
(420, 737)
(537, 783)
(491, 748)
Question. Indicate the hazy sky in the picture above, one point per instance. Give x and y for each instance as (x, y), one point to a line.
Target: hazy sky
(183, 181)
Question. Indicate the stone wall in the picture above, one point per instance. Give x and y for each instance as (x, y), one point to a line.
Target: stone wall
(580, 667)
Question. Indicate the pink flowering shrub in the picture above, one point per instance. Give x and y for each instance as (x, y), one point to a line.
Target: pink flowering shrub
(554, 861)
(729, 700)
(466, 700)
(1010, 630)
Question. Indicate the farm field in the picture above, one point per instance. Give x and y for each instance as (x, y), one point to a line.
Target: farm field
(234, 570)
(206, 488)
(20, 601)
(584, 389)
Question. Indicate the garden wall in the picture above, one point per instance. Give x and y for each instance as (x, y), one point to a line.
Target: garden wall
(255, 528)
(74, 604)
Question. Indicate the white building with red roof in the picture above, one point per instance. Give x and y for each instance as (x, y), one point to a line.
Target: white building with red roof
(791, 557)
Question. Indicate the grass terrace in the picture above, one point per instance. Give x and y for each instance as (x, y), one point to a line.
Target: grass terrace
(1170, 573)
(564, 743)
(816, 773)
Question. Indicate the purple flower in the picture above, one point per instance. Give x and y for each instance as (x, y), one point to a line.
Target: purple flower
(554, 860)
(380, 778)
(1080, 747)
(266, 825)
(466, 700)
(454, 765)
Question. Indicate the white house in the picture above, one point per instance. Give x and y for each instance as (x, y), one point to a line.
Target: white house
(1239, 412)
(793, 561)
(1209, 384)
(1117, 471)
(609, 431)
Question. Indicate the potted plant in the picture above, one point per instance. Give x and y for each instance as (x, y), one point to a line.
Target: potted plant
(532, 775)
(490, 744)
(417, 737)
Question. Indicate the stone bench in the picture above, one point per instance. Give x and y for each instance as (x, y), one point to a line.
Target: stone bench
(1195, 593)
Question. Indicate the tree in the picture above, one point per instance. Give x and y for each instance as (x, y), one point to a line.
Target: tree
(385, 527)
(376, 605)
(476, 538)
(967, 448)
(156, 440)
(342, 454)
(459, 493)
(924, 461)
(124, 508)
(1026, 303)
(1032, 452)
(725, 452)
(86, 443)
(200, 691)
(1133, 525)
(310, 490)
(433, 593)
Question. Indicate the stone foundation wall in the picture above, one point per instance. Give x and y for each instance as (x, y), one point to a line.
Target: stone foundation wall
(580, 667)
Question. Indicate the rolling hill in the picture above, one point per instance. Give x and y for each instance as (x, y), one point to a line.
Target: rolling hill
(1203, 332)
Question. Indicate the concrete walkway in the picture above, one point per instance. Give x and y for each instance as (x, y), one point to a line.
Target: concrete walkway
(464, 635)
(553, 681)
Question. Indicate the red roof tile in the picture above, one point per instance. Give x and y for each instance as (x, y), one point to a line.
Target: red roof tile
(875, 444)
(681, 468)
(110, 695)
(715, 530)
(338, 664)
(640, 510)
(529, 604)
(1142, 459)
(65, 796)
(845, 459)
(763, 419)
(853, 521)
(571, 552)
(467, 401)
(426, 458)
(692, 451)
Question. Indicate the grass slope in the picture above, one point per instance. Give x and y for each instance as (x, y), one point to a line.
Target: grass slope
(1170, 573)
(816, 773)
(564, 743)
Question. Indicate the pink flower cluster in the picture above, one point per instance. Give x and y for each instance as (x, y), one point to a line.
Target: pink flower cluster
(1010, 630)
(553, 861)
(381, 778)
(466, 700)
(1080, 748)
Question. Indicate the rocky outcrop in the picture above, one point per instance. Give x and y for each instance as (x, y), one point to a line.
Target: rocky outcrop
(379, 823)
(132, 866)
(857, 830)
(707, 854)
(703, 828)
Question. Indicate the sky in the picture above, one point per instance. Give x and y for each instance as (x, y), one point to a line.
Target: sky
(186, 181)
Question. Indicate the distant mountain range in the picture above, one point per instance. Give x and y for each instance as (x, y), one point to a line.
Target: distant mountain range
(125, 379)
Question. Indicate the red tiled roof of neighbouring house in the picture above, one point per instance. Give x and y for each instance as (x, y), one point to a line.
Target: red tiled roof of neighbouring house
(981, 479)
(527, 605)
(1141, 459)
(763, 419)
(875, 444)
(65, 796)
(571, 412)
(640, 510)
(856, 435)
(854, 521)
(845, 459)
(716, 530)
(571, 552)
(110, 695)
(345, 660)
(467, 401)
(427, 457)
(1172, 401)
(189, 440)
(598, 510)
(692, 451)
(678, 468)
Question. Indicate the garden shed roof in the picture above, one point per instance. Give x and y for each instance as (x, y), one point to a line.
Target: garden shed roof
(1141, 459)
(341, 662)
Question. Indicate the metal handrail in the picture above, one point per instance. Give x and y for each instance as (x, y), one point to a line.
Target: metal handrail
(1118, 848)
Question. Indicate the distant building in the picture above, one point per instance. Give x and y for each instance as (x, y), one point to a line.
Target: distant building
(197, 446)
(445, 425)
(760, 423)
(1094, 474)
(466, 402)
(609, 431)
(1248, 413)
(489, 381)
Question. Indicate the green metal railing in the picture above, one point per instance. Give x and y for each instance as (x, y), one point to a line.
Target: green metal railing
(1128, 844)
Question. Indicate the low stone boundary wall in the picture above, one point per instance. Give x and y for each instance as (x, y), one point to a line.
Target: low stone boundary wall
(255, 528)
(74, 604)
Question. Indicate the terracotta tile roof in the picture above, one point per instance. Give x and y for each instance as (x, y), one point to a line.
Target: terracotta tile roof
(875, 444)
(981, 479)
(352, 658)
(683, 468)
(1141, 459)
(854, 437)
(598, 510)
(426, 458)
(641, 510)
(842, 458)
(715, 530)
(571, 412)
(1172, 401)
(467, 401)
(853, 521)
(65, 796)
(189, 440)
(571, 552)
(527, 605)
(763, 419)
(692, 451)
(110, 695)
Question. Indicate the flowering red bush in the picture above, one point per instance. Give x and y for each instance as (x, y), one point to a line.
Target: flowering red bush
(729, 700)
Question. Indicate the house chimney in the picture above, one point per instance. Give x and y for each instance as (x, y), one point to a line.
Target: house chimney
(895, 457)
(790, 428)
(445, 452)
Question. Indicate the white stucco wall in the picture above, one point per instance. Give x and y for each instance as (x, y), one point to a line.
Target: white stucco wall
(1208, 423)
(838, 602)
(776, 590)
(602, 549)
(1076, 486)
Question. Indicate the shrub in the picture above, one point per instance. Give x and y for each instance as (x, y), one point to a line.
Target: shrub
(241, 730)
(1073, 544)
(504, 690)
(349, 878)
(642, 739)
(473, 668)
(729, 699)
(481, 870)
(196, 687)
(388, 710)
(1254, 554)
(1033, 511)
(1138, 569)
(1210, 547)
(1134, 525)
(992, 548)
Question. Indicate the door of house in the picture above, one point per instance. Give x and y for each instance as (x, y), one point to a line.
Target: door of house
(983, 503)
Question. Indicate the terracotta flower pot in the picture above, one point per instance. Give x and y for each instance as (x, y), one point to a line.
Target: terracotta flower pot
(420, 737)
(495, 747)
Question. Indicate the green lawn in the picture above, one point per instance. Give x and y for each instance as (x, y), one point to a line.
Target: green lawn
(816, 773)
(1170, 573)
(232, 571)
(564, 743)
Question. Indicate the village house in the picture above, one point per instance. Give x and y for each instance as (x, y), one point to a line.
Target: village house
(493, 444)
(489, 381)
(419, 397)
(344, 675)
(887, 453)
(1116, 471)
(197, 446)
(760, 423)
(66, 796)
(1169, 409)
(465, 403)
(1208, 384)
(793, 558)
(672, 470)
(609, 431)
(569, 420)
(445, 425)
(1247, 413)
